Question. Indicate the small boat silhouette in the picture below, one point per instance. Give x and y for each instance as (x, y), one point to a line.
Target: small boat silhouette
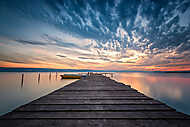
(71, 76)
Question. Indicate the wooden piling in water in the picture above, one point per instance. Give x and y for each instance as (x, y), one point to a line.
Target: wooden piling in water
(50, 76)
(22, 80)
(38, 78)
(95, 101)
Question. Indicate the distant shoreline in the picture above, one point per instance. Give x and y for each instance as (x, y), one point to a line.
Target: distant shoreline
(6, 69)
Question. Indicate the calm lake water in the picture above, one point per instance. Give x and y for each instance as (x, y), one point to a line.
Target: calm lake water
(170, 88)
(15, 92)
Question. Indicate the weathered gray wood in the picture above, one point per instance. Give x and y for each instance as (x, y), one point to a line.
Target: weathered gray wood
(95, 123)
(95, 101)
(45, 101)
(95, 89)
(100, 93)
(62, 97)
(91, 96)
(94, 108)
(92, 114)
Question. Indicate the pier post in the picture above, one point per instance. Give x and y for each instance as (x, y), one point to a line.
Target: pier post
(38, 78)
(22, 80)
(50, 76)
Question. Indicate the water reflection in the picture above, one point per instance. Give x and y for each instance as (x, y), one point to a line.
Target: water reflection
(20, 88)
(172, 89)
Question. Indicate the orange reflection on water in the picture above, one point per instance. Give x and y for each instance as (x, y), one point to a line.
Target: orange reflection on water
(155, 85)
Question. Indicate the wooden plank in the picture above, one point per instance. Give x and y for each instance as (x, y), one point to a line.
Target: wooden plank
(94, 108)
(87, 83)
(99, 115)
(96, 102)
(91, 96)
(81, 83)
(91, 90)
(100, 94)
(95, 123)
(62, 97)
(96, 92)
(97, 88)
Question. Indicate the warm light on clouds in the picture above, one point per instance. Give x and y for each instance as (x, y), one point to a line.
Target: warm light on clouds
(114, 35)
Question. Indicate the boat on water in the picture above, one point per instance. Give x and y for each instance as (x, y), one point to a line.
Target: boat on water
(72, 76)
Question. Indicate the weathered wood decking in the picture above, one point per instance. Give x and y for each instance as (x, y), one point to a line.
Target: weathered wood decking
(95, 101)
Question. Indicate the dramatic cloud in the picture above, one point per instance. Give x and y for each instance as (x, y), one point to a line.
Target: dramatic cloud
(125, 34)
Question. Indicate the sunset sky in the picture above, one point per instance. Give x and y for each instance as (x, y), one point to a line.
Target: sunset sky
(95, 34)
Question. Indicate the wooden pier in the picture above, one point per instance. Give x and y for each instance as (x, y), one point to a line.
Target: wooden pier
(95, 101)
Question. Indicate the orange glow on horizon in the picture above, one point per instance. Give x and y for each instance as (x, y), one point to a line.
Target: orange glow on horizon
(93, 66)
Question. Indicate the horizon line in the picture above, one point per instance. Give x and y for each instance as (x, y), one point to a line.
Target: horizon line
(23, 69)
